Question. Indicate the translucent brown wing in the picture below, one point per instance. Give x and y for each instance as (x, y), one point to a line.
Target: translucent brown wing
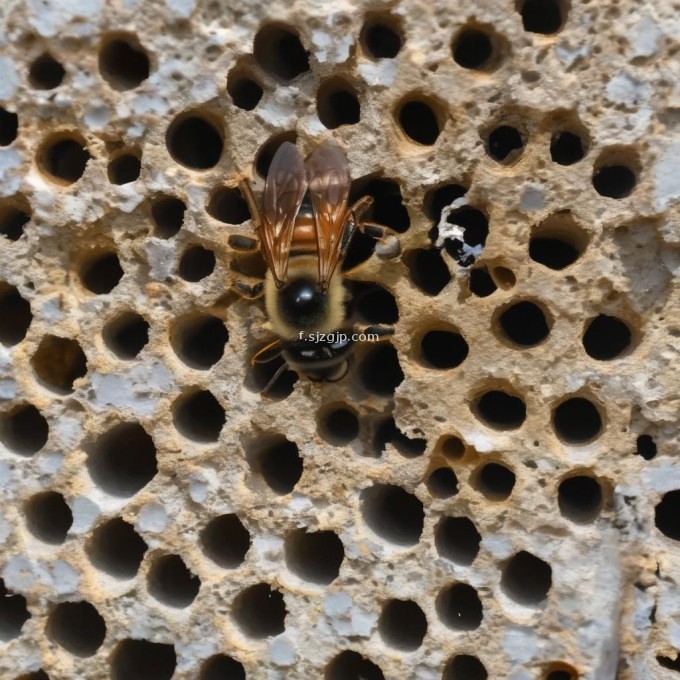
(329, 182)
(283, 193)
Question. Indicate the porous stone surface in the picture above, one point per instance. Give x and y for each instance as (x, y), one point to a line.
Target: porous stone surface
(492, 492)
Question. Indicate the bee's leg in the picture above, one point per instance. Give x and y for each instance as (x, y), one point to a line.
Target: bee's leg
(247, 292)
(246, 190)
(243, 244)
(279, 371)
(268, 353)
(379, 331)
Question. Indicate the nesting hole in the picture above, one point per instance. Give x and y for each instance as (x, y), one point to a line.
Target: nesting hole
(459, 607)
(442, 483)
(9, 127)
(350, 665)
(387, 207)
(171, 582)
(259, 376)
(123, 460)
(101, 272)
(77, 627)
(124, 168)
(244, 91)
(557, 242)
(63, 158)
(194, 141)
(58, 363)
(13, 614)
(116, 548)
(260, 611)
(225, 541)
(123, 63)
(457, 539)
(526, 579)
(561, 671)
(196, 264)
(339, 425)
(667, 515)
(392, 513)
(48, 517)
(523, 324)
(543, 16)
(503, 277)
(222, 667)
(438, 198)
(475, 226)
(37, 675)
(337, 104)
(504, 144)
(580, 498)
(428, 270)
(279, 51)
(279, 462)
(615, 174)
(419, 121)
(23, 429)
(606, 337)
(228, 205)
(481, 283)
(199, 340)
(266, 153)
(314, 556)
(143, 660)
(381, 36)
(13, 219)
(645, 446)
(199, 416)
(360, 249)
(15, 315)
(567, 148)
(465, 667)
(500, 410)
(374, 303)
(494, 481)
(443, 349)
(46, 73)
(167, 213)
(474, 49)
(380, 370)
(126, 335)
(402, 625)
(451, 447)
(387, 432)
(577, 421)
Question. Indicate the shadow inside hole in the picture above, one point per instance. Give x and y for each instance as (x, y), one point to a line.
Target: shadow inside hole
(524, 324)
(440, 197)
(116, 548)
(171, 582)
(419, 122)
(580, 498)
(337, 104)
(494, 481)
(9, 127)
(577, 421)
(473, 49)
(13, 614)
(167, 213)
(542, 16)
(667, 515)
(225, 541)
(222, 667)
(12, 222)
(196, 263)
(504, 144)
(48, 517)
(465, 667)
(459, 607)
(339, 426)
(373, 303)
(606, 337)
(279, 462)
(360, 249)
(124, 169)
(198, 416)
(614, 181)
(266, 153)
(526, 579)
(101, 273)
(58, 363)
(260, 375)
(350, 664)
(500, 410)
(64, 159)
(481, 283)
(228, 205)
(314, 556)
(194, 141)
(475, 226)
(457, 539)
(428, 270)
(77, 627)
(380, 37)
(199, 340)
(443, 350)
(645, 447)
(442, 483)
(402, 625)
(387, 208)
(123, 63)
(566, 148)
(260, 611)
(24, 430)
(380, 371)
(392, 514)
(143, 660)
(245, 92)
(387, 432)
(451, 447)
(279, 51)
(46, 73)
(126, 335)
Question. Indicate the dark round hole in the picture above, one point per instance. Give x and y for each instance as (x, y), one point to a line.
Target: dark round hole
(524, 324)
(228, 205)
(542, 16)
(577, 421)
(116, 548)
(46, 73)
(244, 91)
(337, 104)
(123, 460)
(15, 312)
(194, 142)
(266, 153)
(402, 625)
(280, 52)
(419, 122)
(349, 665)
(259, 376)
(167, 213)
(77, 627)
(380, 370)
(225, 541)
(566, 148)
(441, 197)
(459, 607)
(12, 222)
(101, 273)
(552, 252)
(260, 611)
(64, 159)
(562, 674)
(199, 340)
(199, 416)
(126, 335)
(526, 579)
(472, 49)
(339, 426)
(443, 349)
(494, 481)
(9, 127)
(392, 513)
(48, 517)
(361, 248)
(278, 461)
(442, 483)
(667, 515)
(580, 498)
(13, 614)
(452, 447)
(123, 63)
(645, 446)
(171, 582)
(465, 667)
(124, 169)
(196, 263)
(606, 337)
(58, 363)
(379, 39)
(481, 284)
(614, 181)
(388, 433)
(374, 303)
(314, 556)
(501, 410)
(503, 141)
(222, 667)
(143, 660)
(23, 429)
(457, 539)
(475, 225)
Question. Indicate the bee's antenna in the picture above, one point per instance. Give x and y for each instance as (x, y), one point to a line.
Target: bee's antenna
(274, 378)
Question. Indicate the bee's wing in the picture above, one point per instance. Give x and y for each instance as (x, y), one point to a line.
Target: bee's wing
(329, 183)
(283, 193)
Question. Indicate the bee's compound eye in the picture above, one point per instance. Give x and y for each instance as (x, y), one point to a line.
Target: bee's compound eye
(302, 303)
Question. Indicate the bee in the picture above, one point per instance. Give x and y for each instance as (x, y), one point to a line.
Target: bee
(304, 230)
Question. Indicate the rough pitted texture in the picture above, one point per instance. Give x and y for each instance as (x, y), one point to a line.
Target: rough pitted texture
(491, 492)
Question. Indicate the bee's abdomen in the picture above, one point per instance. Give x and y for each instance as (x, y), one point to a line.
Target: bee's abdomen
(304, 235)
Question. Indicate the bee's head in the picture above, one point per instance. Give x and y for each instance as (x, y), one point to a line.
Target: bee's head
(302, 304)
